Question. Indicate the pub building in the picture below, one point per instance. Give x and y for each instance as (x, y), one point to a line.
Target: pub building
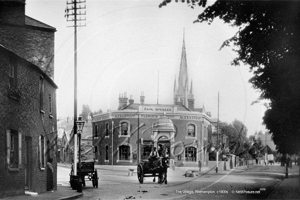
(180, 127)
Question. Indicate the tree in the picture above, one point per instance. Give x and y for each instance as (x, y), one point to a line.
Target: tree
(255, 146)
(268, 41)
(96, 112)
(86, 111)
(236, 133)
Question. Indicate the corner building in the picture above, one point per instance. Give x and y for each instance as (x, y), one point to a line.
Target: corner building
(28, 125)
(180, 127)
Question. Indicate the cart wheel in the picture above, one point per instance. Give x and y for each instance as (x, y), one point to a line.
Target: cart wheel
(140, 173)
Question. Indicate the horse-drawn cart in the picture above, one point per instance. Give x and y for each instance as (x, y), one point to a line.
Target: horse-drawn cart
(87, 168)
(147, 169)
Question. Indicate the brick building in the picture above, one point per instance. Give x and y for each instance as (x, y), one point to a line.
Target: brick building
(28, 101)
(180, 127)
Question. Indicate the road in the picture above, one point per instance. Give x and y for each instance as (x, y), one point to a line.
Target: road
(255, 182)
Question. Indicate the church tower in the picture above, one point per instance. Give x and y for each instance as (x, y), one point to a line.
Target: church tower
(181, 92)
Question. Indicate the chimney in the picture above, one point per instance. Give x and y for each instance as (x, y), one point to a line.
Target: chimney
(142, 98)
(15, 8)
(178, 101)
(122, 101)
(191, 103)
(131, 101)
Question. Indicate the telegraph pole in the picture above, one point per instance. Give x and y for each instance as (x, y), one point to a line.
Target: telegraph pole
(73, 13)
(217, 157)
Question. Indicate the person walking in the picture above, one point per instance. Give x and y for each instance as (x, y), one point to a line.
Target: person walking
(50, 171)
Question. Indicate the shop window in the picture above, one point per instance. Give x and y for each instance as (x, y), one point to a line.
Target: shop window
(190, 154)
(191, 130)
(14, 149)
(124, 152)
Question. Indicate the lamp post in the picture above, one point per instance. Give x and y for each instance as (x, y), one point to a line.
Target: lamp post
(79, 124)
(112, 144)
(138, 137)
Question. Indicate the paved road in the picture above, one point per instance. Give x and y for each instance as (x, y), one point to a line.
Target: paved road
(255, 182)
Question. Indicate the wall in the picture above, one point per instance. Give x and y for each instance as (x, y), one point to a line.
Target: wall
(25, 116)
(145, 132)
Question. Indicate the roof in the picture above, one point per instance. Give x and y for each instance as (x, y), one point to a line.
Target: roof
(266, 149)
(35, 23)
(164, 124)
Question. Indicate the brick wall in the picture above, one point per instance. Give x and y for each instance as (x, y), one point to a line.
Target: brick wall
(145, 133)
(25, 116)
(33, 42)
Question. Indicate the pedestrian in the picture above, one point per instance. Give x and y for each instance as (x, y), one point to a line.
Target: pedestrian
(50, 171)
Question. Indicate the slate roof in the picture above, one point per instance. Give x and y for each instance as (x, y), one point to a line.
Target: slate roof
(35, 23)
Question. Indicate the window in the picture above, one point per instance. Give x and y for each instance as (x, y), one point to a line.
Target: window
(191, 130)
(124, 152)
(190, 154)
(96, 131)
(41, 93)
(14, 149)
(42, 148)
(106, 130)
(12, 74)
(50, 104)
(106, 152)
(124, 128)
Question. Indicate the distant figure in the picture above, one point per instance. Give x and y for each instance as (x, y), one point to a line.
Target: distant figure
(50, 171)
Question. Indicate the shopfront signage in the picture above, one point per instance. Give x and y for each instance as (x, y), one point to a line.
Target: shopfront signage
(157, 109)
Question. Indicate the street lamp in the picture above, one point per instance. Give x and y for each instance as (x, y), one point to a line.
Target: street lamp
(79, 124)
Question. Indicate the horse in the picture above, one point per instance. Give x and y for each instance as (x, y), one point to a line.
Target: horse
(161, 167)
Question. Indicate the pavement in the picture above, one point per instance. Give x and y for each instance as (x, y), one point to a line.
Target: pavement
(288, 188)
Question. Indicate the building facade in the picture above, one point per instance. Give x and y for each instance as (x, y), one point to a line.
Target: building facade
(126, 136)
(28, 102)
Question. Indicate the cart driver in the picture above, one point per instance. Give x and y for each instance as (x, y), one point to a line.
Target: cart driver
(153, 156)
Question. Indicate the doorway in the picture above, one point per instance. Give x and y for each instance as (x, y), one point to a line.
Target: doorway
(165, 142)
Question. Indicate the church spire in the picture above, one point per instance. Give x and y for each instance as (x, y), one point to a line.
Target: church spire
(191, 90)
(183, 74)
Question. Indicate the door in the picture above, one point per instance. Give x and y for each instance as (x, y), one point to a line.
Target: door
(165, 143)
(27, 164)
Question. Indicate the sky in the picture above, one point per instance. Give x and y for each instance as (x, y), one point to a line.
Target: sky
(134, 46)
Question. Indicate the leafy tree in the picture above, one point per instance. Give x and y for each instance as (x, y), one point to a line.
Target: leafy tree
(268, 41)
(96, 112)
(86, 111)
(236, 133)
(255, 146)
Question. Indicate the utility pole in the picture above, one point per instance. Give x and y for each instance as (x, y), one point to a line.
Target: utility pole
(112, 143)
(73, 13)
(217, 157)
